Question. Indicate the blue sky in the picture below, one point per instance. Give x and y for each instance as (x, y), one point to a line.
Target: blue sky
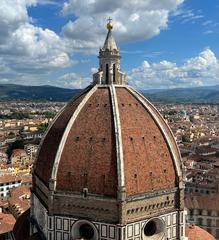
(164, 44)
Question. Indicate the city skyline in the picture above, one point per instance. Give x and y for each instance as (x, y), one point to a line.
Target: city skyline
(164, 45)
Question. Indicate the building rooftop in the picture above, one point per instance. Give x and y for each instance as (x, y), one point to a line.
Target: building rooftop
(7, 222)
(199, 201)
(194, 232)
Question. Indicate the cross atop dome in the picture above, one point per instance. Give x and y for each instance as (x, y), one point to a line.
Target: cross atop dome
(109, 61)
(109, 19)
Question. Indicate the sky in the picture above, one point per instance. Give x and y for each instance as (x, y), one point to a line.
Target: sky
(163, 43)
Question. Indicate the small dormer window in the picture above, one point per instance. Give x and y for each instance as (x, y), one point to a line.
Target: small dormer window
(85, 192)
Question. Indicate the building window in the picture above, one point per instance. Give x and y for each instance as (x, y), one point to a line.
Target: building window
(114, 73)
(199, 221)
(107, 73)
(217, 233)
(154, 228)
(85, 192)
(150, 229)
(86, 231)
(208, 222)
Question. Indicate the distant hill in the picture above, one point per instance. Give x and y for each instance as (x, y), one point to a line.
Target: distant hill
(185, 95)
(50, 93)
(46, 93)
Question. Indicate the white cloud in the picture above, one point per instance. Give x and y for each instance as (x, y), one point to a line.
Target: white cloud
(26, 48)
(200, 70)
(207, 22)
(73, 80)
(13, 13)
(133, 20)
(185, 15)
(94, 70)
(29, 54)
(49, 2)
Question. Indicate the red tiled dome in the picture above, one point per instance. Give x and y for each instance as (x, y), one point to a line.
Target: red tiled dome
(108, 159)
(196, 233)
(106, 138)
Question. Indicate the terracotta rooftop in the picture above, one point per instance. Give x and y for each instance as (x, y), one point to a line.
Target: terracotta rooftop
(3, 203)
(52, 140)
(19, 199)
(18, 152)
(7, 222)
(82, 148)
(27, 178)
(196, 233)
(200, 201)
(9, 178)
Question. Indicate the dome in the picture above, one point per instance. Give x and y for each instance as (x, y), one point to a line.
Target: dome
(109, 139)
(108, 166)
(194, 232)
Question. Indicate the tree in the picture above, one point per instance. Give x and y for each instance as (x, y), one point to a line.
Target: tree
(191, 119)
(42, 127)
(49, 114)
(185, 138)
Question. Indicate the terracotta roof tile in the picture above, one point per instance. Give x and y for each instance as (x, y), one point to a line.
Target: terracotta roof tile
(7, 222)
(10, 178)
(200, 201)
(196, 233)
(19, 199)
(89, 155)
(147, 160)
(88, 159)
(51, 142)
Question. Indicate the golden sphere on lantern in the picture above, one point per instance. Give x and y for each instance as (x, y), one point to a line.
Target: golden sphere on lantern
(109, 26)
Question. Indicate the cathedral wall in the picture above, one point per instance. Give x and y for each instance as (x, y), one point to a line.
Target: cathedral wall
(94, 208)
(40, 214)
(60, 228)
(138, 209)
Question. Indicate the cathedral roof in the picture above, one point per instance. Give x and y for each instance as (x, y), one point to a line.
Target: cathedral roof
(105, 156)
(107, 138)
(109, 141)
